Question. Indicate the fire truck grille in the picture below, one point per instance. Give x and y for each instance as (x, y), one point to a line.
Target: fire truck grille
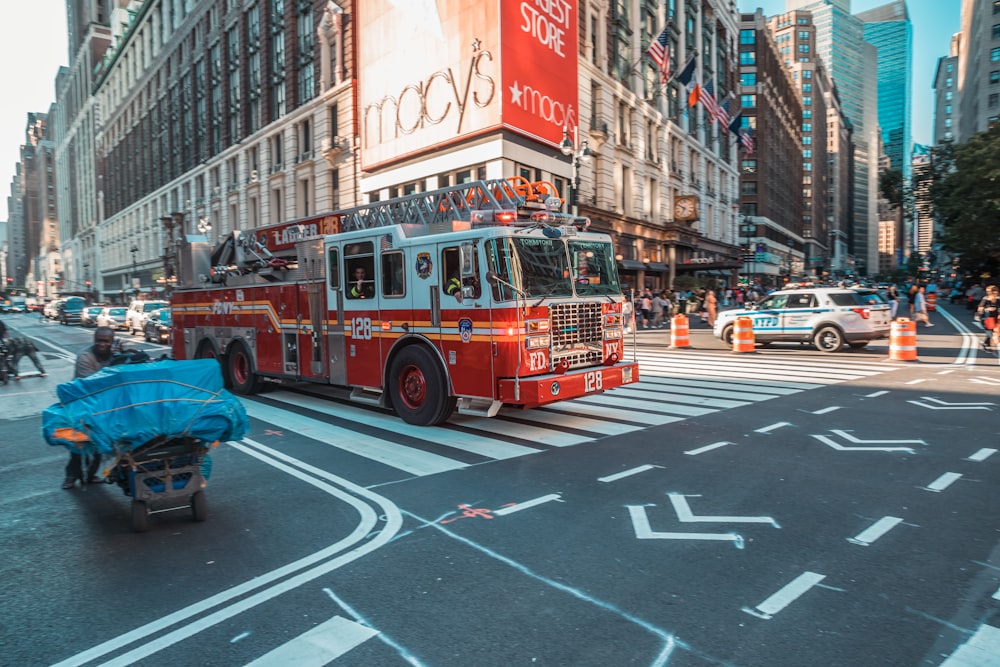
(576, 334)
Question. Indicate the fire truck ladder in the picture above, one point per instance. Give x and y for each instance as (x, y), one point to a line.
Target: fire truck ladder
(456, 202)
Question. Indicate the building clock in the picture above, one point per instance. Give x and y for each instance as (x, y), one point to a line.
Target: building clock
(686, 207)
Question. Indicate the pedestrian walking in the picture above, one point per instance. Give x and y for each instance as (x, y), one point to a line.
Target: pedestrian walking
(988, 312)
(25, 347)
(893, 298)
(88, 362)
(657, 306)
(711, 307)
(628, 314)
(919, 306)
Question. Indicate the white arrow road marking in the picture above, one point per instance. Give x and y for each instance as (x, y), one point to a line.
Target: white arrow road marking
(827, 441)
(771, 606)
(847, 436)
(944, 481)
(876, 394)
(319, 646)
(983, 454)
(627, 473)
(640, 523)
(985, 380)
(684, 514)
(707, 448)
(875, 531)
(945, 405)
(526, 504)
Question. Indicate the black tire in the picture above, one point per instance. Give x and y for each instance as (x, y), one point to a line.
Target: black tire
(4, 377)
(418, 387)
(857, 346)
(140, 516)
(199, 507)
(828, 339)
(727, 335)
(241, 373)
(206, 350)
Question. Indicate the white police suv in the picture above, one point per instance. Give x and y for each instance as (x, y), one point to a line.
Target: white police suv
(827, 317)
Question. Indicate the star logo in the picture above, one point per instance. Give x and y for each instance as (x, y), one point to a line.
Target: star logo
(515, 94)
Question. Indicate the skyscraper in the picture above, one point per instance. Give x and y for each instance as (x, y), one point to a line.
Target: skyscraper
(852, 62)
(888, 27)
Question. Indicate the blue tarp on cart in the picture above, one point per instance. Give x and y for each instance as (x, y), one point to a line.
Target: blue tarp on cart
(121, 408)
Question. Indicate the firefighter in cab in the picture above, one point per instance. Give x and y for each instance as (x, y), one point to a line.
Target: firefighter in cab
(361, 288)
(454, 287)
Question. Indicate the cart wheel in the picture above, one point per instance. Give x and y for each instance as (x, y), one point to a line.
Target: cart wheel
(199, 508)
(140, 516)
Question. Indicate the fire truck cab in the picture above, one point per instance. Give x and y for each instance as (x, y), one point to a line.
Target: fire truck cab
(481, 303)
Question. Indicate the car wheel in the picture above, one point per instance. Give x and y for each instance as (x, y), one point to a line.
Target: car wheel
(727, 335)
(828, 339)
(418, 388)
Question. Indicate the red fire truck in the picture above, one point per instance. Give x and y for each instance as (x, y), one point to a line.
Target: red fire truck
(469, 297)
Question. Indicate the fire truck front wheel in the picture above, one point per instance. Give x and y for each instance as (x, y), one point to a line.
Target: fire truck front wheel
(418, 387)
(241, 370)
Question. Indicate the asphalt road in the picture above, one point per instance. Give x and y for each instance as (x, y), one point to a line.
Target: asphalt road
(779, 508)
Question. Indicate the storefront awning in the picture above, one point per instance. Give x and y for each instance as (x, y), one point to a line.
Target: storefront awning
(631, 265)
(658, 267)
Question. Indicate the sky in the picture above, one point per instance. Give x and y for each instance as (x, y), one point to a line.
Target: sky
(934, 22)
(33, 46)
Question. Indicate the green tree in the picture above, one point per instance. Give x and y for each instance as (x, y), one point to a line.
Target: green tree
(966, 195)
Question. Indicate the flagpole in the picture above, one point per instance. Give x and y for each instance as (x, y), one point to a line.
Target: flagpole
(673, 76)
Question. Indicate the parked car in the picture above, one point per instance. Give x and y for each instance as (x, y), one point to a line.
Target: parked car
(158, 326)
(114, 317)
(71, 310)
(89, 316)
(138, 311)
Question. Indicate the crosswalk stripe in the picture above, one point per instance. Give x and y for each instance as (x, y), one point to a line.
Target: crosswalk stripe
(319, 646)
(674, 386)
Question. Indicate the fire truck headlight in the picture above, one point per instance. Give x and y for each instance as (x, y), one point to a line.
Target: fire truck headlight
(536, 326)
(612, 334)
(555, 388)
(536, 342)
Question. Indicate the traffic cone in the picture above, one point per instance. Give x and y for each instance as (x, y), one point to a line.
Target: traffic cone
(903, 339)
(679, 336)
(743, 340)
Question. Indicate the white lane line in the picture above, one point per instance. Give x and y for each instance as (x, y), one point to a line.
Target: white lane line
(572, 421)
(917, 381)
(981, 650)
(627, 473)
(636, 416)
(832, 408)
(996, 596)
(404, 458)
(982, 454)
(875, 531)
(944, 481)
(527, 504)
(772, 427)
(319, 646)
(772, 605)
(707, 448)
(876, 394)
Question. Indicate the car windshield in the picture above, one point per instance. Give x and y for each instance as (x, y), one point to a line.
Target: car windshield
(117, 312)
(552, 267)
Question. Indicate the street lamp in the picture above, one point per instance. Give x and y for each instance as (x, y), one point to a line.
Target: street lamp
(581, 154)
(135, 271)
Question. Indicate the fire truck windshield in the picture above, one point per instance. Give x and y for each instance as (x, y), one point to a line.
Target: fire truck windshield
(547, 267)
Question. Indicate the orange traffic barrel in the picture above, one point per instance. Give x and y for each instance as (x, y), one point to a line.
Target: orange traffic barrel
(679, 336)
(932, 301)
(743, 335)
(903, 339)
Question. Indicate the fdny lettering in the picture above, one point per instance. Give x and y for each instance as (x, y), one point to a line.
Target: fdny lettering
(548, 23)
(538, 361)
(223, 307)
(361, 328)
(593, 381)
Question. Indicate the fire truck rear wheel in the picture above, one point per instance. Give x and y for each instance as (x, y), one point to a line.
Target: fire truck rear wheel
(418, 388)
(241, 370)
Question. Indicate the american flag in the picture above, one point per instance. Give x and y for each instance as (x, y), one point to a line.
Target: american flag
(747, 140)
(660, 53)
(386, 243)
(707, 97)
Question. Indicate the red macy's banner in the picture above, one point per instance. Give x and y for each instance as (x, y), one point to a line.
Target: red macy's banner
(432, 72)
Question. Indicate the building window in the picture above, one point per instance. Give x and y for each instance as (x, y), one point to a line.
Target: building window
(948, 82)
(803, 48)
(807, 166)
(748, 78)
(947, 122)
(807, 127)
(995, 54)
(807, 74)
(748, 101)
(807, 153)
(947, 95)
(947, 109)
(807, 87)
(748, 57)
(807, 101)
(807, 113)
(996, 30)
(807, 140)
(748, 166)
(994, 100)
(748, 36)
(749, 187)
(995, 76)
